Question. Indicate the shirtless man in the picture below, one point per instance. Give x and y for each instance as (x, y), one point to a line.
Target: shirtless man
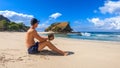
(35, 47)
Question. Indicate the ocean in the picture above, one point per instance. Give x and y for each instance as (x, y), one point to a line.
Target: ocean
(101, 36)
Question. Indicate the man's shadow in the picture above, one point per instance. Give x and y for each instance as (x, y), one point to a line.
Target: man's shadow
(52, 53)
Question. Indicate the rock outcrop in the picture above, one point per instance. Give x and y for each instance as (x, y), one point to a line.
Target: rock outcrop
(62, 27)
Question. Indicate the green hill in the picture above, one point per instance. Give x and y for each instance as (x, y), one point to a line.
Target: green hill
(7, 25)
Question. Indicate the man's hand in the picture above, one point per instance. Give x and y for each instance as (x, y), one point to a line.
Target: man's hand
(50, 36)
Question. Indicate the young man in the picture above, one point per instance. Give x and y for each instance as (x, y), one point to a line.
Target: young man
(35, 47)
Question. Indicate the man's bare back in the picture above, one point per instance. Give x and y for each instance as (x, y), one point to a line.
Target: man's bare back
(29, 38)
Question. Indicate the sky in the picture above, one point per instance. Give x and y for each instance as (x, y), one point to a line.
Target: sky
(83, 15)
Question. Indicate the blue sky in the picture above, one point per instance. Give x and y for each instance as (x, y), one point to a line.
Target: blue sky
(83, 15)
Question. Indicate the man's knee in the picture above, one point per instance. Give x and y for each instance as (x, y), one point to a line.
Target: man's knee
(45, 42)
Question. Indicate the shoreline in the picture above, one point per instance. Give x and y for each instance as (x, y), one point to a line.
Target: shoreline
(90, 40)
(80, 39)
(42, 34)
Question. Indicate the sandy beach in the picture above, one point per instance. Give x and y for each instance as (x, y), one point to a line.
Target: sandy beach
(82, 53)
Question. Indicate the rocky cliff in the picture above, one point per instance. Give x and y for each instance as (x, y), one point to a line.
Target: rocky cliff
(59, 27)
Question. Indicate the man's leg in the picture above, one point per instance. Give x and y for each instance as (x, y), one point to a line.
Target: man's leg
(51, 46)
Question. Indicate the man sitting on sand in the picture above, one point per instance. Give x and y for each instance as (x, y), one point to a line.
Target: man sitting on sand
(35, 47)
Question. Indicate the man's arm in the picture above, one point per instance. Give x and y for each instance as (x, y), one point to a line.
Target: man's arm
(38, 37)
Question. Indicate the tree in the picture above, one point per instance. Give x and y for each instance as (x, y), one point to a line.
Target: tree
(13, 27)
(4, 25)
(21, 25)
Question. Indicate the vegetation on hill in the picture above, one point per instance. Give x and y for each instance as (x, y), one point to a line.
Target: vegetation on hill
(7, 25)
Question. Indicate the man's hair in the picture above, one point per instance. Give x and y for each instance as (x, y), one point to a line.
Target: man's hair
(33, 21)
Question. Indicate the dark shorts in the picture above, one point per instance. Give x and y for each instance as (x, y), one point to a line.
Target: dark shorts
(33, 49)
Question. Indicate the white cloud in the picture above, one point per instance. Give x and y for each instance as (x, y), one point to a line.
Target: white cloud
(80, 25)
(96, 21)
(55, 15)
(111, 23)
(107, 23)
(17, 17)
(112, 7)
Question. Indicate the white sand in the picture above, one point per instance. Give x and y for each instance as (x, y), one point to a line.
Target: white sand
(84, 53)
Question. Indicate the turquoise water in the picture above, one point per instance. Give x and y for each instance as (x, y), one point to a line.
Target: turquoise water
(102, 36)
